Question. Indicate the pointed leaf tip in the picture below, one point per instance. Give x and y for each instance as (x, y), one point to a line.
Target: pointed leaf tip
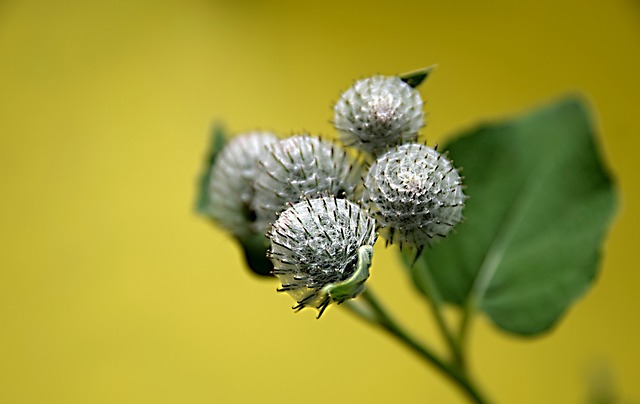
(416, 77)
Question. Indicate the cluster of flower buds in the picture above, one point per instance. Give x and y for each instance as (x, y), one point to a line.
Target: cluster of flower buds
(321, 208)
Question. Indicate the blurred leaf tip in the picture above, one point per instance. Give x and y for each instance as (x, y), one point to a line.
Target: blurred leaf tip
(416, 77)
(216, 143)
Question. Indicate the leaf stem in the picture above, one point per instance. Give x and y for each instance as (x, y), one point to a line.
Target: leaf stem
(468, 311)
(380, 317)
(423, 277)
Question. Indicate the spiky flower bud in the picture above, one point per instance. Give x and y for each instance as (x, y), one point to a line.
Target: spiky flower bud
(231, 179)
(415, 194)
(297, 167)
(321, 251)
(379, 112)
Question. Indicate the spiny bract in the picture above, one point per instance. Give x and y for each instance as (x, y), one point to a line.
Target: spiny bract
(415, 194)
(301, 166)
(230, 184)
(315, 244)
(378, 112)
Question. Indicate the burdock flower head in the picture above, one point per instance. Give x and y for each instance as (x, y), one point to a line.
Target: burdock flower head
(378, 112)
(415, 194)
(301, 166)
(321, 251)
(232, 174)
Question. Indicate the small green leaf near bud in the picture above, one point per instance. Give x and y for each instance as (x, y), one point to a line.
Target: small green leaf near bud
(217, 142)
(416, 77)
(354, 285)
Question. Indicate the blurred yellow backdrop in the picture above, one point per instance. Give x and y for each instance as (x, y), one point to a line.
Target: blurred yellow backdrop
(112, 290)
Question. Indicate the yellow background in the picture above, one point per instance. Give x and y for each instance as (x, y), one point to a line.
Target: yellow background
(112, 290)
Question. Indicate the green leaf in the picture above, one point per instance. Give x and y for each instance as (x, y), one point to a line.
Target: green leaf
(416, 77)
(354, 285)
(540, 203)
(217, 142)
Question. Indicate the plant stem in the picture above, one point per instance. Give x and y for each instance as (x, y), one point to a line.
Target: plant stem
(467, 313)
(382, 319)
(428, 287)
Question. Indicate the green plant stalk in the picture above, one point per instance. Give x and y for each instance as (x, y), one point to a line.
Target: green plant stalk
(435, 301)
(380, 317)
(467, 312)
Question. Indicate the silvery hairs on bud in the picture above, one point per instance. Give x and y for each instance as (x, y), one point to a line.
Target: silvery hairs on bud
(415, 195)
(378, 112)
(231, 179)
(301, 166)
(321, 251)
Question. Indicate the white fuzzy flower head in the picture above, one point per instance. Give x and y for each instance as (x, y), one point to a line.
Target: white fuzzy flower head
(321, 251)
(297, 167)
(415, 194)
(379, 112)
(231, 179)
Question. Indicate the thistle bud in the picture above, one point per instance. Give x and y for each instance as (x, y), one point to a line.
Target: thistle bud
(297, 167)
(230, 185)
(378, 112)
(321, 251)
(415, 195)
